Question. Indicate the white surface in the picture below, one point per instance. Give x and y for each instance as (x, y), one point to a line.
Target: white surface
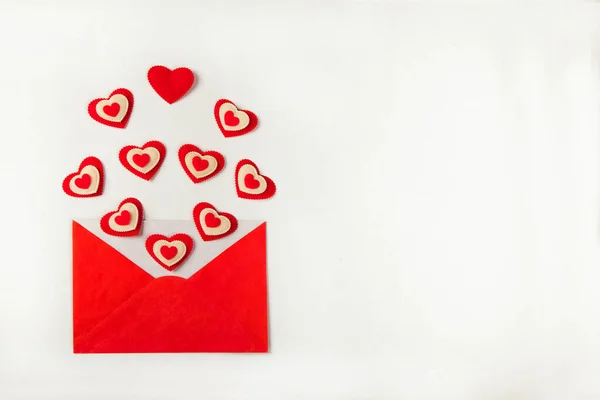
(134, 248)
(435, 230)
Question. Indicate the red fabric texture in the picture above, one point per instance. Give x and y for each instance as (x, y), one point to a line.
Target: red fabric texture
(211, 221)
(230, 119)
(124, 218)
(143, 159)
(119, 308)
(113, 109)
(85, 180)
(171, 85)
(253, 183)
(198, 163)
(169, 252)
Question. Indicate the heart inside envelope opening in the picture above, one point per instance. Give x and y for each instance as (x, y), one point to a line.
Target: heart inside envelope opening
(199, 164)
(84, 181)
(231, 119)
(168, 252)
(124, 218)
(112, 110)
(141, 160)
(212, 221)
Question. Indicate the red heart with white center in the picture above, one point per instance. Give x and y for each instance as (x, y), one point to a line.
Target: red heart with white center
(88, 181)
(200, 165)
(126, 220)
(113, 110)
(143, 161)
(212, 224)
(169, 252)
(250, 184)
(170, 85)
(233, 121)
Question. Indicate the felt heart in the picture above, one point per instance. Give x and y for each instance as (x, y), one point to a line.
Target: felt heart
(232, 121)
(114, 110)
(200, 165)
(143, 161)
(171, 85)
(212, 224)
(169, 252)
(126, 220)
(250, 184)
(88, 181)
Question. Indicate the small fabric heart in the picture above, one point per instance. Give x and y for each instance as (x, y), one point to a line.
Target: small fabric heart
(250, 183)
(171, 85)
(233, 121)
(212, 224)
(88, 181)
(169, 252)
(200, 165)
(143, 161)
(113, 110)
(126, 220)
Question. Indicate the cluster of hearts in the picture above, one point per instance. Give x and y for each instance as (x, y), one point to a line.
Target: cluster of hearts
(145, 161)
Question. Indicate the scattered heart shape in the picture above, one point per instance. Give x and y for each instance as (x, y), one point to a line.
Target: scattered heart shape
(212, 224)
(144, 161)
(88, 181)
(171, 85)
(233, 121)
(169, 252)
(126, 220)
(250, 184)
(200, 165)
(113, 110)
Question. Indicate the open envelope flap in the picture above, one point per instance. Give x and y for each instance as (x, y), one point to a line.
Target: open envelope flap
(118, 307)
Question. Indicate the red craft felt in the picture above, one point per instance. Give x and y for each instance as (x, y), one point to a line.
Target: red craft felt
(233, 121)
(113, 110)
(212, 224)
(88, 181)
(170, 85)
(143, 161)
(250, 183)
(200, 165)
(119, 308)
(126, 220)
(170, 252)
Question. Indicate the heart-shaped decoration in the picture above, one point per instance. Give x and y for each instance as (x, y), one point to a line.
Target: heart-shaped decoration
(212, 224)
(88, 181)
(250, 184)
(143, 161)
(232, 121)
(126, 220)
(169, 252)
(200, 165)
(171, 85)
(114, 110)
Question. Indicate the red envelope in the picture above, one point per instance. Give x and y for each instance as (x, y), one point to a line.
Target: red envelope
(119, 307)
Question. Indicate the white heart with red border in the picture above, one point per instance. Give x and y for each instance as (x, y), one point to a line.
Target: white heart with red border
(152, 152)
(133, 218)
(189, 162)
(178, 244)
(244, 119)
(248, 169)
(119, 99)
(94, 175)
(223, 227)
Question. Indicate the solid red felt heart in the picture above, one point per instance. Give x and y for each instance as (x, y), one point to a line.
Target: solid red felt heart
(199, 163)
(171, 85)
(84, 181)
(124, 218)
(112, 110)
(251, 182)
(230, 119)
(141, 160)
(199, 166)
(212, 221)
(168, 252)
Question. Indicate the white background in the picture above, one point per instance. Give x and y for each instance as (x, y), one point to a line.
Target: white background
(435, 230)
